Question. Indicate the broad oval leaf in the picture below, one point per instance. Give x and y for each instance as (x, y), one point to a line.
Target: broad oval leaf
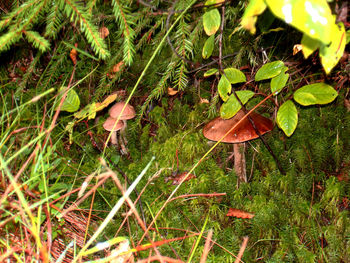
(234, 75)
(287, 117)
(210, 72)
(211, 21)
(330, 55)
(279, 82)
(312, 17)
(309, 45)
(72, 101)
(318, 93)
(270, 70)
(208, 47)
(232, 106)
(224, 88)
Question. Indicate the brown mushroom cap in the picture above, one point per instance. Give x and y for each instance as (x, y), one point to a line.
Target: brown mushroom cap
(128, 113)
(218, 127)
(109, 124)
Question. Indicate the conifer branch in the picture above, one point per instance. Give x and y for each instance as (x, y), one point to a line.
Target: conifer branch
(125, 21)
(77, 14)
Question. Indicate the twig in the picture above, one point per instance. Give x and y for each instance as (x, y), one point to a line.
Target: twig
(241, 250)
(206, 247)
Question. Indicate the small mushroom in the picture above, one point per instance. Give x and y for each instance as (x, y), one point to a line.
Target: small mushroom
(111, 125)
(243, 132)
(116, 112)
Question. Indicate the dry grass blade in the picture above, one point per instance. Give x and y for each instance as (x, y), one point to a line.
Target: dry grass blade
(207, 246)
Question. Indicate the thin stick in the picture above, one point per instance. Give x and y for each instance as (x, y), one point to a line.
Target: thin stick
(241, 250)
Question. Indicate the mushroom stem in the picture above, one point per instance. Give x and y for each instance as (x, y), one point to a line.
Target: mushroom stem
(239, 163)
(114, 138)
(122, 133)
(123, 149)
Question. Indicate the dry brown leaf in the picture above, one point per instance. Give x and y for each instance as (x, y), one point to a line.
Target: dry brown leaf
(179, 177)
(172, 92)
(120, 254)
(347, 104)
(116, 68)
(103, 32)
(297, 48)
(239, 213)
(203, 101)
(73, 54)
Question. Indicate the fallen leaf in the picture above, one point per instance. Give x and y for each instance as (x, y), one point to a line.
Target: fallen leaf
(110, 98)
(103, 32)
(297, 48)
(239, 213)
(116, 68)
(347, 104)
(203, 101)
(179, 177)
(122, 254)
(172, 92)
(73, 54)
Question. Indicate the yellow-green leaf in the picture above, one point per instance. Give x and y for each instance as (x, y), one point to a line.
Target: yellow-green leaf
(254, 8)
(211, 21)
(270, 70)
(309, 45)
(287, 117)
(232, 106)
(318, 93)
(210, 72)
(224, 88)
(330, 55)
(208, 47)
(312, 17)
(72, 101)
(279, 82)
(234, 75)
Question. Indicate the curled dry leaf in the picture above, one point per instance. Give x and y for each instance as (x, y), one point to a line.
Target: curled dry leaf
(122, 254)
(103, 32)
(239, 213)
(73, 54)
(179, 177)
(297, 48)
(172, 92)
(201, 101)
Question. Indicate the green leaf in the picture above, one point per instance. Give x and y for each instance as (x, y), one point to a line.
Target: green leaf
(318, 93)
(279, 82)
(287, 117)
(270, 70)
(309, 45)
(211, 21)
(72, 101)
(330, 55)
(210, 72)
(254, 8)
(312, 17)
(224, 88)
(232, 106)
(208, 47)
(235, 75)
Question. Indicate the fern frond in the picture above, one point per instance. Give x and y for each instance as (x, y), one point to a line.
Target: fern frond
(79, 15)
(125, 20)
(38, 41)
